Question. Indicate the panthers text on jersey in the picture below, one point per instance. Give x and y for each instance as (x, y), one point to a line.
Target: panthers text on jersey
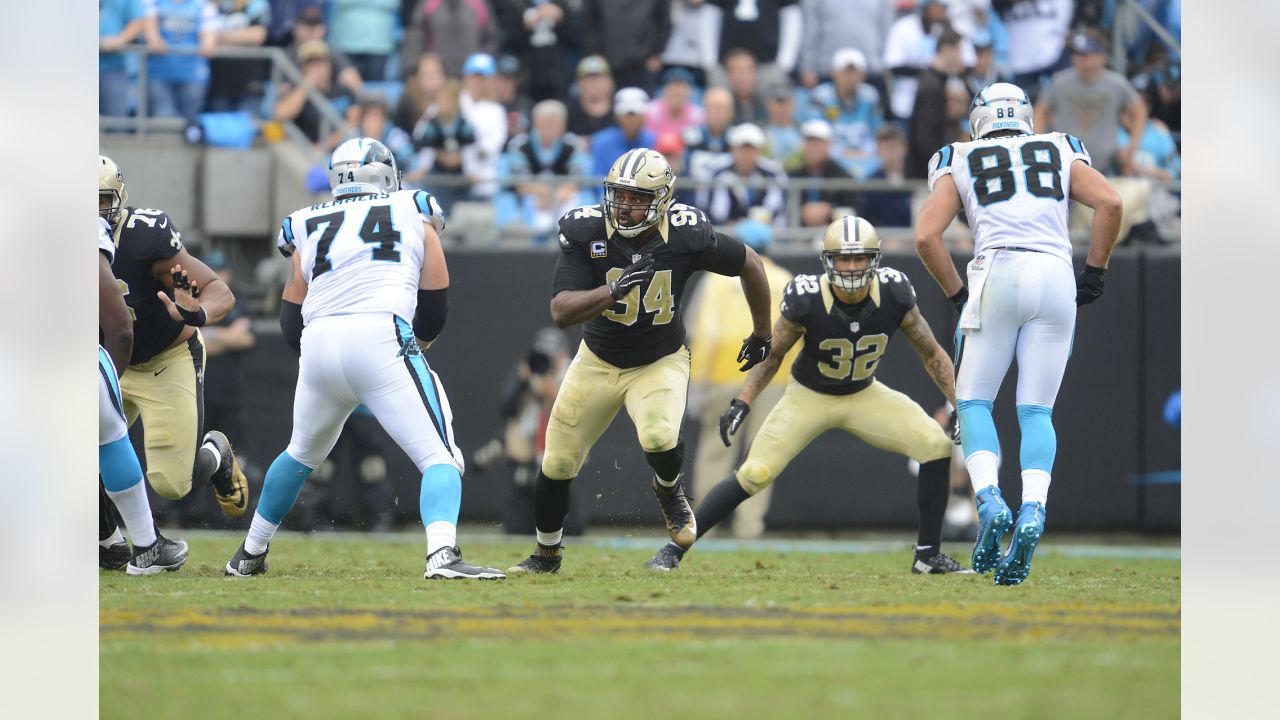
(143, 237)
(843, 343)
(1015, 190)
(646, 324)
(362, 253)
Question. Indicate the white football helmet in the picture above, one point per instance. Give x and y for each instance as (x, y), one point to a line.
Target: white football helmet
(642, 171)
(1000, 106)
(363, 165)
(850, 235)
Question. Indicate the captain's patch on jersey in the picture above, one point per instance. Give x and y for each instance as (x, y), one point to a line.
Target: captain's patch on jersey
(599, 249)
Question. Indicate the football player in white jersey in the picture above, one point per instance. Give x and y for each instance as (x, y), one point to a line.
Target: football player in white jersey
(366, 295)
(117, 461)
(1014, 186)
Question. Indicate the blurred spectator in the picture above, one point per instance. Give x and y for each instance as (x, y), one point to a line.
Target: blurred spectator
(453, 29)
(442, 135)
(631, 36)
(293, 104)
(888, 208)
(718, 320)
(541, 33)
(176, 84)
(371, 117)
(768, 29)
(237, 84)
(674, 109)
(930, 126)
(910, 49)
(420, 92)
(709, 145)
(546, 151)
(506, 90)
(479, 107)
(229, 341)
(695, 38)
(592, 109)
(365, 30)
(120, 22)
(959, 102)
(853, 108)
(1163, 82)
(672, 148)
(782, 137)
(733, 193)
(817, 207)
(967, 16)
(984, 71)
(740, 72)
(1037, 39)
(311, 26)
(831, 25)
(1091, 102)
(629, 106)
(1158, 160)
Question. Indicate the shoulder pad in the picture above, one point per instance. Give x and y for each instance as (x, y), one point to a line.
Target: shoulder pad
(150, 229)
(429, 208)
(581, 225)
(800, 296)
(691, 227)
(896, 283)
(285, 241)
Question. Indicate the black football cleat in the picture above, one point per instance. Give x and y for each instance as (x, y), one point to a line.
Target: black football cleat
(667, 558)
(114, 557)
(544, 561)
(163, 555)
(676, 513)
(242, 564)
(938, 563)
(229, 484)
(446, 563)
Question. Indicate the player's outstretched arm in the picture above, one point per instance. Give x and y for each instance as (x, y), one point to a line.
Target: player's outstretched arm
(755, 286)
(785, 334)
(936, 361)
(113, 316)
(1089, 187)
(207, 291)
(940, 208)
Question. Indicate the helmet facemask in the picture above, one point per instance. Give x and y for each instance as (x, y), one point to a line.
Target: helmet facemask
(616, 208)
(111, 213)
(111, 185)
(850, 280)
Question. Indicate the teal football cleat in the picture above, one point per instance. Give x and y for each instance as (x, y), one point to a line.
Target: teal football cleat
(994, 520)
(1016, 566)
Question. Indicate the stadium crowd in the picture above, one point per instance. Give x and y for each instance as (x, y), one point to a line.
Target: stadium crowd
(739, 95)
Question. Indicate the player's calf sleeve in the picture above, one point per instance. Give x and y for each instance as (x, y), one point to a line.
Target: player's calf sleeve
(122, 481)
(550, 505)
(667, 463)
(977, 427)
(439, 502)
(719, 504)
(1039, 441)
(932, 490)
(281, 487)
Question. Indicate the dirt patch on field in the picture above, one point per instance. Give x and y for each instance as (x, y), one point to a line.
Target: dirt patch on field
(1046, 622)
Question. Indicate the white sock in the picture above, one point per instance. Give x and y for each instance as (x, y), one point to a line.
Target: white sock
(666, 484)
(135, 509)
(984, 469)
(441, 534)
(551, 538)
(217, 456)
(261, 531)
(1035, 486)
(116, 537)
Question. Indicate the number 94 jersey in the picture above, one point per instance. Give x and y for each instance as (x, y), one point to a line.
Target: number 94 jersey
(363, 253)
(843, 343)
(1015, 190)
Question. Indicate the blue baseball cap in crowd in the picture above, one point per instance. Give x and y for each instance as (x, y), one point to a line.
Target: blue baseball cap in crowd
(480, 64)
(981, 39)
(678, 74)
(754, 234)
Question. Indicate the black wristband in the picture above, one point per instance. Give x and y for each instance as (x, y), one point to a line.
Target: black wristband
(1094, 270)
(194, 318)
(960, 298)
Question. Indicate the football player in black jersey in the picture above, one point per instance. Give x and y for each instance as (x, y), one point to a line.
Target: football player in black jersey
(846, 317)
(170, 295)
(622, 270)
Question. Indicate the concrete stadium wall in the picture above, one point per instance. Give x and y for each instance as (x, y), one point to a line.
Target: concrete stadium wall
(1110, 432)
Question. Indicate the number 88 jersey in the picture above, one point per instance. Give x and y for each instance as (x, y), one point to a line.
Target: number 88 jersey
(362, 253)
(1015, 190)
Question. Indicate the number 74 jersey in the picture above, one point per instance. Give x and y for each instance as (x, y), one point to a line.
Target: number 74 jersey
(1015, 190)
(363, 253)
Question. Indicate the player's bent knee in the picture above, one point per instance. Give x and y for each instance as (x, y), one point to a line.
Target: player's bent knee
(560, 467)
(754, 476)
(167, 485)
(936, 447)
(658, 437)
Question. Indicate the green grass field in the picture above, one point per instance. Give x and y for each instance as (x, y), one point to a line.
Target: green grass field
(347, 628)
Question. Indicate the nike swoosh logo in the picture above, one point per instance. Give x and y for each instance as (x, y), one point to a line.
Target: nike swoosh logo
(157, 373)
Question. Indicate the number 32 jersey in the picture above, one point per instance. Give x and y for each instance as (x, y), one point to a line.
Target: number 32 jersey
(361, 254)
(1015, 190)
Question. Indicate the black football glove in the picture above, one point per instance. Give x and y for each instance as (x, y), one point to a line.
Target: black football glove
(754, 351)
(732, 419)
(635, 274)
(1089, 284)
(960, 298)
(953, 427)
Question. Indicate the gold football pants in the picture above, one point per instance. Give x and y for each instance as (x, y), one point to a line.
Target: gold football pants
(167, 393)
(878, 415)
(592, 393)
